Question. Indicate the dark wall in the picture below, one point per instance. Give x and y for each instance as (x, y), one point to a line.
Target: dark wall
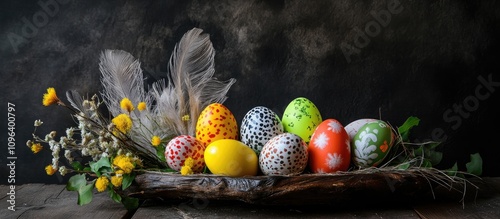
(436, 60)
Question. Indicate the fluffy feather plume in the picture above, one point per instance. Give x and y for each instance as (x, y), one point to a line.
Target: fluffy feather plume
(174, 104)
(191, 85)
(121, 77)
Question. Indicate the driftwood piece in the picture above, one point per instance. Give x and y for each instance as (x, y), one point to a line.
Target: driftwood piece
(303, 189)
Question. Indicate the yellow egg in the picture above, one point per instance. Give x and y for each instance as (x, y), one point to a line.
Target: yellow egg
(301, 117)
(216, 122)
(230, 157)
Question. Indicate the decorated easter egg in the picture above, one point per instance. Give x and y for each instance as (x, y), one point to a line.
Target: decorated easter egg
(371, 144)
(229, 157)
(258, 126)
(180, 148)
(284, 154)
(353, 127)
(301, 117)
(329, 148)
(216, 122)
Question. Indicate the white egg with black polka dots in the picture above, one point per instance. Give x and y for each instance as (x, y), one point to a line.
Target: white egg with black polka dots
(258, 126)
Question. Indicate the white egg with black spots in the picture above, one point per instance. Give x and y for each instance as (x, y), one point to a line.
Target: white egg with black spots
(284, 154)
(258, 126)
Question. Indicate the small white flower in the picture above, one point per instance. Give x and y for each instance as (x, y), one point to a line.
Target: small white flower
(334, 127)
(48, 137)
(321, 141)
(55, 162)
(67, 155)
(333, 161)
(63, 171)
(70, 132)
(104, 145)
(38, 123)
(85, 152)
(52, 144)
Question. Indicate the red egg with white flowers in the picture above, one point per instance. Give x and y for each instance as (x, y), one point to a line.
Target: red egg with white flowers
(329, 149)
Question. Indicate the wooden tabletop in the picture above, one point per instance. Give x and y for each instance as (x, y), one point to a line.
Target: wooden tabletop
(54, 201)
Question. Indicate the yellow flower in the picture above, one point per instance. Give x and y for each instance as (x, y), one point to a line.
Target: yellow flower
(117, 180)
(141, 106)
(37, 147)
(155, 141)
(126, 104)
(50, 170)
(187, 168)
(122, 122)
(189, 162)
(50, 97)
(101, 183)
(124, 163)
(185, 118)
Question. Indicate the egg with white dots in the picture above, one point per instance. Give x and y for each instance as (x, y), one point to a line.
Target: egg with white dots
(258, 126)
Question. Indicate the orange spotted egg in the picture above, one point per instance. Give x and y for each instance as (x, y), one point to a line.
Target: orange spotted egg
(216, 122)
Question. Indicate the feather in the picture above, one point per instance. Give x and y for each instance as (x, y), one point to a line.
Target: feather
(191, 85)
(75, 100)
(121, 78)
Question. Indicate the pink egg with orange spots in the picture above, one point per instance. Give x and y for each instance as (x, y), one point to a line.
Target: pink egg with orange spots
(216, 122)
(180, 148)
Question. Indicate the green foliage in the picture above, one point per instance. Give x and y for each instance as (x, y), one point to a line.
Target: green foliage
(75, 182)
(404, 130)
(160, 152)
(114, 195)
(77, 166)
(79, 183)
(103, 165)
(475, 166)
(426, 153)
(127, 180)
(85, 194)
(130, 203)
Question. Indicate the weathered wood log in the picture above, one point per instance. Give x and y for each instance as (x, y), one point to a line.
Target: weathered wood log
(303, 189)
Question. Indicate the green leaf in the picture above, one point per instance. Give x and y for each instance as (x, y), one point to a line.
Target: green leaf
(475, 166)
(418, 152)
(206, 170)
(117, 198)
(434, 157)
(404, 130)
(453, 170)
(76, 182)
(77, 166)
(85, 194)
(130, 203)
(97, 167)
(127, 180)
(432, 145)
(404, 166)
(426, 163)
(160, 152)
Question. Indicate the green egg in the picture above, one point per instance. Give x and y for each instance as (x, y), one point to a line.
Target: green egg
(371, 144)
(301, 117)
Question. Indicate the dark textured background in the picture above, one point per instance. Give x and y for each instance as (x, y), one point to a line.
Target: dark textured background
(423, 63)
